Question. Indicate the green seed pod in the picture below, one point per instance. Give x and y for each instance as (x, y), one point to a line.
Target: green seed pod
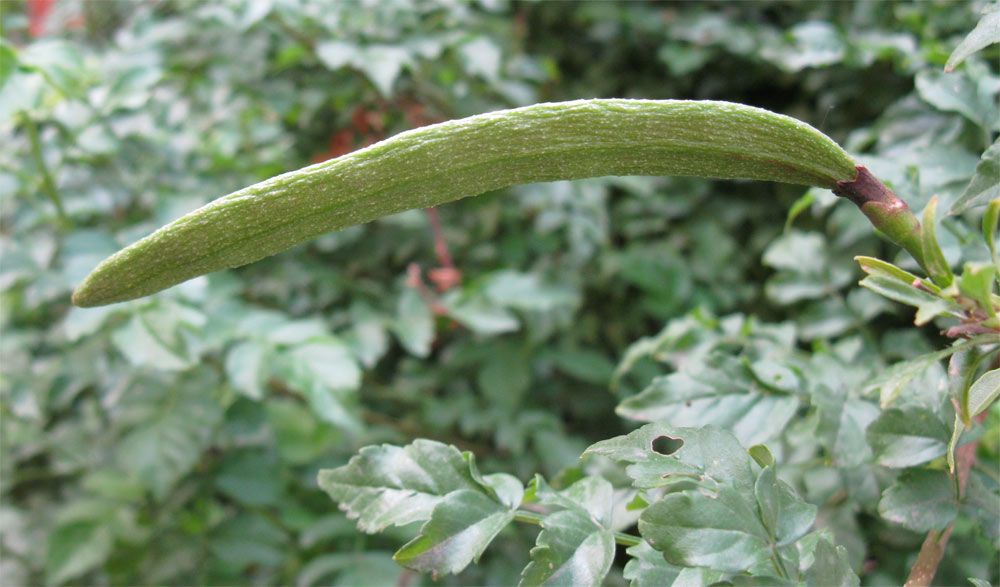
(444, 162)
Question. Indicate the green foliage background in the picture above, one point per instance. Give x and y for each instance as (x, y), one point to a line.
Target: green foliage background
(177, 439)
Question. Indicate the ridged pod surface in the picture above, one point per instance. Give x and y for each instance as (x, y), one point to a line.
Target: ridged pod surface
(444, 162)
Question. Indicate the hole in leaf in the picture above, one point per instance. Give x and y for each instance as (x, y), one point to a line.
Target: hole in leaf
(666, 445)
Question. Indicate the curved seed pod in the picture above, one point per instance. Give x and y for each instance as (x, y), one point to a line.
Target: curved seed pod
(444, 162)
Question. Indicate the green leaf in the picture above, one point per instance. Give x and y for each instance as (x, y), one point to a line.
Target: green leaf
(785, 515)
(694, 528)
(479, 314)
(326, 361)
(831, 567)
(647, 567)
(934, 260)
(878, 267)
(462, 525)
(991, 221)
(957, 92)
(244, 477)
(921, 500)
(77, 547)
(906, 438)
(984, 392)
(986, 33)
(414, 325)
(245, 368)
(145, 347)
(593, 495)
(722, 394)
(976, 282)
(842, 423)
(167, 445)
(572, 549)
(985, 184)
(891, 382)
(761, 455)
(709, 452)
(898, 291)
(392, 486)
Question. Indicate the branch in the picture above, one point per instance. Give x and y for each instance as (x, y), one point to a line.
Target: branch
(932, 551)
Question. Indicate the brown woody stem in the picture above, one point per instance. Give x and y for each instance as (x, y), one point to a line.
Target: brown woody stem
(886, 211)
(932, 551)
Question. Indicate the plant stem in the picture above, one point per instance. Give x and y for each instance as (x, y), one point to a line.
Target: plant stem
(48, 186)
(932, 551)
(886, 211)
(536, 518)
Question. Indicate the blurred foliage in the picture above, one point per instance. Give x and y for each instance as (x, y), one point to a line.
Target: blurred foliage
(177, 439)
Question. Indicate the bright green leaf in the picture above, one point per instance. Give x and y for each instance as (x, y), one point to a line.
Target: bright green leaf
(986, 33)
(984, 391)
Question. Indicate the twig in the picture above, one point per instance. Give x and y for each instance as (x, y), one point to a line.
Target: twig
(446, 276)
(932, 551)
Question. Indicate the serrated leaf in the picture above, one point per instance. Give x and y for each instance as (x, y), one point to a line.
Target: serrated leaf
(708, 452)
(392, 486)
(985, 184)
(956, 92)
(842, 423)
(167, 445)
(831, 567)
(906, 438)
(462, 525)
(921, 500)
(592, 495)
(722, 394)
(697, 529)
(145, 347)
(986, 33)
(984, 392)
(648, 568)
(572, 549)
(890, 382)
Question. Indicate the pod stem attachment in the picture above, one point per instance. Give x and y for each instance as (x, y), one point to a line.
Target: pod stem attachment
(886, 211)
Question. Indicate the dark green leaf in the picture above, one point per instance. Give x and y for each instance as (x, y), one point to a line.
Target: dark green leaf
(831, 567)
(905, 438)
(77, 547)
(708, 452)
(921, 500)
(985, 184)
(696, 529)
